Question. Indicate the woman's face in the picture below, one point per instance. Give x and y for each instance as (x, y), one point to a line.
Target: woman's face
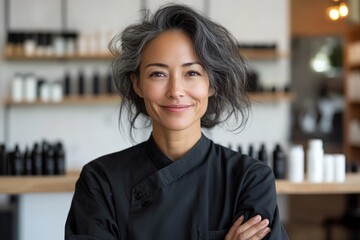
(173, 83)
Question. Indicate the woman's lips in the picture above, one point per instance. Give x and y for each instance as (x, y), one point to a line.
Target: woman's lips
(176, 108)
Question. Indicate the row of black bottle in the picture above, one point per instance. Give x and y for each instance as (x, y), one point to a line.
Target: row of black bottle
(253, 85)
(278, 158)
(40, 43)
(43, 159)
(83, 85)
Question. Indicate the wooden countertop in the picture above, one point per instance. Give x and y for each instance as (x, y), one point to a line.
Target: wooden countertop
(38, 184)
(351, 185)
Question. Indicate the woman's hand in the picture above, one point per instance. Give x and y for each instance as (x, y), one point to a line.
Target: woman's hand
(254, 229)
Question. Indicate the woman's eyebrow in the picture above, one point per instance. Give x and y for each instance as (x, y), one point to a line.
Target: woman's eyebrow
(167, 66)
(157, 65)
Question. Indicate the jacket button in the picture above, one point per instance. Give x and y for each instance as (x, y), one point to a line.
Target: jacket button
(138, 195)
(145, 204)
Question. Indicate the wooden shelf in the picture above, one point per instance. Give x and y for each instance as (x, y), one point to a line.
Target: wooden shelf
(36, 184)
(74, 100)
(258, 54)
(265, 54)
(354, 66)
(351, 185)
(272, 97)
(111, 99)
(354, 145)
(354, 101)
(105, 56)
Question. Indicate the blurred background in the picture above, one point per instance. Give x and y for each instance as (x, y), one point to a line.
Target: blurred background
(56, 93)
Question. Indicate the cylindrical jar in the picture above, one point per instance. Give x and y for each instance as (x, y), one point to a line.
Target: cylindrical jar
(30, 88)
(329, 168)
(315, 161)
(340, 167)
(296, 164)
(57, 92)
(17, 88)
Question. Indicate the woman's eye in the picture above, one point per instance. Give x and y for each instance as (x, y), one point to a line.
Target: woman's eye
(157, 74)
(193, 73)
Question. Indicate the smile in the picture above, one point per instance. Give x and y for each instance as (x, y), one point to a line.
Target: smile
(176, 108)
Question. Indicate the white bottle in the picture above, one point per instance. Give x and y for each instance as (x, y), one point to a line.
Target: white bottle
(340, 168)
(45, 92)
(56, 92)
(30, 88)
(315, 161)
(329, 168)
(296, 164)
(59, 45)
(30, 46)
(17, 88)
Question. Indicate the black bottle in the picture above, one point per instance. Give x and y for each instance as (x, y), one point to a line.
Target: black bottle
(3, 160)
(17, 162)
(239, 149)
(262, 156)
(67, 85)
(81, 84)
(96, 84)
(36, 157)
(27, 162)
(110, 85)
(49, 164)
(59, 159)
(251, 151)
(279, 162)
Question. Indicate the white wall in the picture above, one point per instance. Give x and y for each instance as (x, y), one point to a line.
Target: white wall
(91, 131)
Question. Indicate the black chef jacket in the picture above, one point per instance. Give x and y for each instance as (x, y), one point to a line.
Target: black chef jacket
(140, 194)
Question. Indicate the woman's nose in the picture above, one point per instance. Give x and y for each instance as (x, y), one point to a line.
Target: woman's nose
(175, 88)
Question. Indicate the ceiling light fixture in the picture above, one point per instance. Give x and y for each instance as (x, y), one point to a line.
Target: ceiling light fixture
(338, 9)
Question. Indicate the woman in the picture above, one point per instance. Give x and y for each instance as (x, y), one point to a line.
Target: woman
(183, 72)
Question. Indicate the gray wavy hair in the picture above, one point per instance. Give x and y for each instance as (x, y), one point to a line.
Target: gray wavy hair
(215, 47)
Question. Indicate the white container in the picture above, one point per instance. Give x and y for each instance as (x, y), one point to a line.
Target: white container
(45, 92)
(59, 45)
(296, 164)
(57, 92)
(315, 161)
(340, 168)
(329, 168)
(17, 88)
(30, 88)
(29, 47)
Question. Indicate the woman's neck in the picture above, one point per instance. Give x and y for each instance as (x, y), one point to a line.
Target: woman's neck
(174, 144)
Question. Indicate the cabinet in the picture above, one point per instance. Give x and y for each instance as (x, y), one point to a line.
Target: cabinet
(352, 93)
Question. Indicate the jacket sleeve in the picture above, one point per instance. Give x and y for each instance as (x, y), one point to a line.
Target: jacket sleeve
(92, 212)
(257, 195)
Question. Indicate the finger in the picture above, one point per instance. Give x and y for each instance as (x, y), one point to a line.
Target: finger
(250, 223)
(238, 228)
(261, 234)
(234, 227)
(255, 229)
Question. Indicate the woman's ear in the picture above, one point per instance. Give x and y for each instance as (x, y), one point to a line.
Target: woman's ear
(211, 91)
(135, 84)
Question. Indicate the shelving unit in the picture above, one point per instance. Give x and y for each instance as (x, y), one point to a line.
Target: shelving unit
(110, 99)
(256, 54)
(352, 107)
(104, 56)
(35, 184)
